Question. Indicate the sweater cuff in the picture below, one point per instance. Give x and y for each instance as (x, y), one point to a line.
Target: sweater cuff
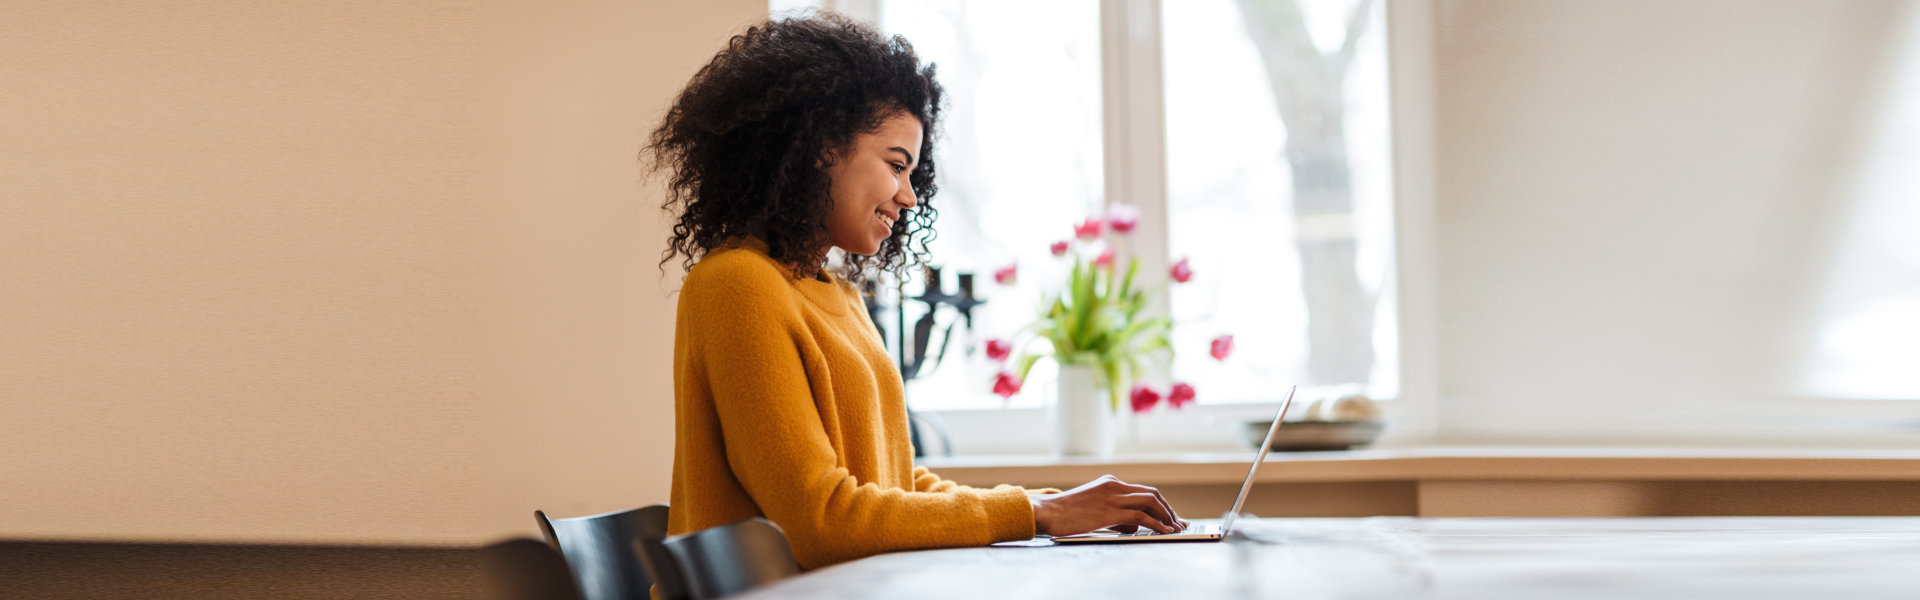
(1009, 514)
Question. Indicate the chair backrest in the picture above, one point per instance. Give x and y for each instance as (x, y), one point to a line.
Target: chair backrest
(732, 558)
(616, 555)
(525, 569)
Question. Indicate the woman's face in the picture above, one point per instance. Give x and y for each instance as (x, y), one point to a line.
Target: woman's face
(870, 187)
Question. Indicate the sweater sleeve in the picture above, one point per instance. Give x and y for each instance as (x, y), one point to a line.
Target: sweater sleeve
(749, 349)
(925, 480)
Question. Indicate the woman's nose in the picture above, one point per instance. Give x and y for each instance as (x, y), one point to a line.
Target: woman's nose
(906, 196)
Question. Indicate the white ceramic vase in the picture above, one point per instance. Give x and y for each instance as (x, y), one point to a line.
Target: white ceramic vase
(1083, 420)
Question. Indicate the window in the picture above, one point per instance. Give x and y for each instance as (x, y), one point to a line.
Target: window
(1021, 158)
(1279, 184)
(1271, 187)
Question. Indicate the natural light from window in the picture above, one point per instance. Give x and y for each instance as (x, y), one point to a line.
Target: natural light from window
(1867, 343)
(1232, 200)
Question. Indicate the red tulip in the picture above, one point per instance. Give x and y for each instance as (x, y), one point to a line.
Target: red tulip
(1088, 230)
(1123, 217)
(1182, 272)
(1180, 396)
(1222, 346)
(999, 349)
(1105, 261)
(1006, 385)
(1144, 398)
(1006, 275)
(1059, 248)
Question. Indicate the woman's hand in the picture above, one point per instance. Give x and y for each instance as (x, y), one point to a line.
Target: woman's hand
(1103, 502)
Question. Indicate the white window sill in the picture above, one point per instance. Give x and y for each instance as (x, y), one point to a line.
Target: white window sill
(1431, 463)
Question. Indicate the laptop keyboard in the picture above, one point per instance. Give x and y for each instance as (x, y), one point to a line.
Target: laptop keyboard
(1194, 530)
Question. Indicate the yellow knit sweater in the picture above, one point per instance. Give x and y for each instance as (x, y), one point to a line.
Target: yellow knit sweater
(786, 406)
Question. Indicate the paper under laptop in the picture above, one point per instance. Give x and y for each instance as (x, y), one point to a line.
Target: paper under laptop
(1199, 532)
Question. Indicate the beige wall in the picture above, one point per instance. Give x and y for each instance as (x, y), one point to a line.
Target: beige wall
(240, 293)
(250, 278)
(586, 321)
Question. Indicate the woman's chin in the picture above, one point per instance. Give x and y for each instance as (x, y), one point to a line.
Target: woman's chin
(866, 250)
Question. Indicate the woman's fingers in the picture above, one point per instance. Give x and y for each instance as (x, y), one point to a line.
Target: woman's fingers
(1171, 517)
(1143, 498)
(1152, 508)
(1166, 508)
(1148, 521)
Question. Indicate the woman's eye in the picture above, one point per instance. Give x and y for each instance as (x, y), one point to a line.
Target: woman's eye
(898, 168)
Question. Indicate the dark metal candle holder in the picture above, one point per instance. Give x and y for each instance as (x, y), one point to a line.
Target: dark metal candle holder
(911, 348)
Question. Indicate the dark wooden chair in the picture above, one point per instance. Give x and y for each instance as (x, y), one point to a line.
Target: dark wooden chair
(616, 555)
(525, 569)
(732, 558)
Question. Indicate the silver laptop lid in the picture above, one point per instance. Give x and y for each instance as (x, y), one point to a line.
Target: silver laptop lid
(1226, 526)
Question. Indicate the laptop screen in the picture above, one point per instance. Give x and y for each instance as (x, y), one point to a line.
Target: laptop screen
(1226, 525)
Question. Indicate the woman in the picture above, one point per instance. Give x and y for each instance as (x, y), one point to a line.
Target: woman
(802, 137)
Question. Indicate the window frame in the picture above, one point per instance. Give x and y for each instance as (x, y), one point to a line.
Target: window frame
(1134, 152)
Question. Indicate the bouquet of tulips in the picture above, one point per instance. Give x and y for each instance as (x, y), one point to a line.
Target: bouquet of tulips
(1095, 320)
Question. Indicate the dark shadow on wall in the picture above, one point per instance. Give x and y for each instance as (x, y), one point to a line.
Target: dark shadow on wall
(114, 571)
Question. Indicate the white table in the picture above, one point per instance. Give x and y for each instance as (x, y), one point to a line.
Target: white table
(1404, 557)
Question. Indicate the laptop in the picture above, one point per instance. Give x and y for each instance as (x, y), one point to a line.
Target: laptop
(1206, 532)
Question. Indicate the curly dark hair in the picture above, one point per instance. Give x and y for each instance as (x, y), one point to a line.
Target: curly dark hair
(743, 143)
